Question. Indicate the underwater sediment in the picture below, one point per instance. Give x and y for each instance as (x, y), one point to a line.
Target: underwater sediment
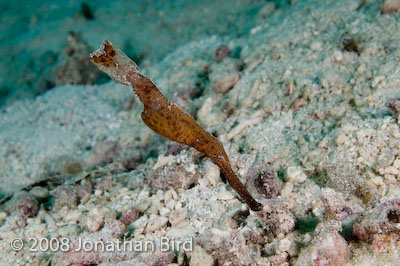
(306, 105)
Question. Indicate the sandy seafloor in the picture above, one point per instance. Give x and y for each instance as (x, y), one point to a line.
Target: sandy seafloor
(305, 106)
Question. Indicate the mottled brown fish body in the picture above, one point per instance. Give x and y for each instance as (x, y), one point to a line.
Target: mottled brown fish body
(165, 118)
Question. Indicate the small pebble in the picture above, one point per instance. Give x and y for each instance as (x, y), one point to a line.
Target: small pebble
(95, 220)
(39, 192)
(141, 222)
(221, 53)
(225, 84)
(283, 245)
(164, 211)
(268, 184)
(212, 173)
(225, 195)
(28, 206)
(156, 224)
(3, 216)
(394, 105)
(391, 170)
(315, 45)
(114, 229)
(329, 249)
(390, 6)
(338, 56)
(130, 216)
(295, 174)
(199, 257)
(73, 216)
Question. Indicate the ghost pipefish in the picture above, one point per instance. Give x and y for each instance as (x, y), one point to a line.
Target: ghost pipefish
(165, 118)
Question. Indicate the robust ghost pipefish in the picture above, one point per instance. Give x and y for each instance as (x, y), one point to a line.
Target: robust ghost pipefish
(165, 118)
